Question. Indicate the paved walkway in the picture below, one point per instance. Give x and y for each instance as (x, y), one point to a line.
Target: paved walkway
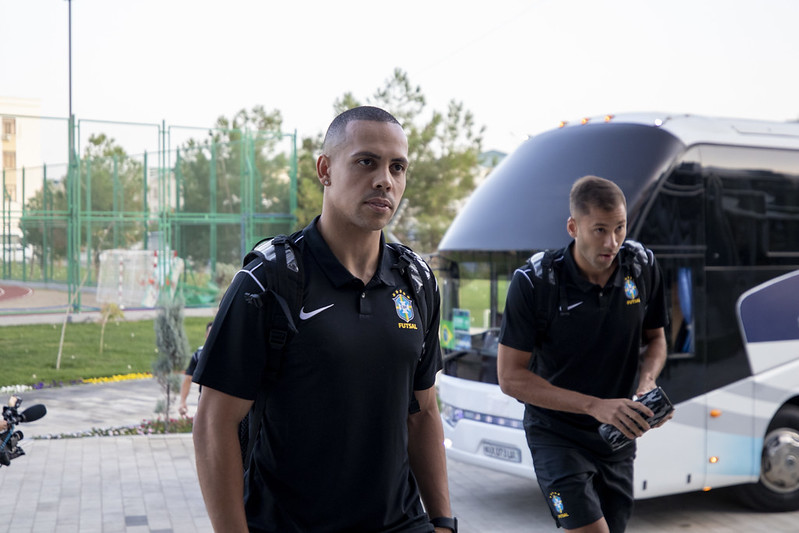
(104, 484)
(101, 484)
(140, 484)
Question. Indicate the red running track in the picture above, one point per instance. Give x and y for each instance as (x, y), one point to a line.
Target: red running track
(8, 292)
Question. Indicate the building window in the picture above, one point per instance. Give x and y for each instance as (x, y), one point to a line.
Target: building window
(9, 160)
(9, 126)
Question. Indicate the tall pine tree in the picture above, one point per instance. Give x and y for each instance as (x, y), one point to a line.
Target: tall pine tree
(173, 351)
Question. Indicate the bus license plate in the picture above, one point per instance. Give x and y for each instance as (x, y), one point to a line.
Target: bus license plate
(504, 453)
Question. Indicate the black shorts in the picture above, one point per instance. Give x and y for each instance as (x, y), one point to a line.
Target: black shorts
(581, 488)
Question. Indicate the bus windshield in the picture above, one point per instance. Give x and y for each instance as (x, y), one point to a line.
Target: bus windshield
(484, 245)
(523, 204)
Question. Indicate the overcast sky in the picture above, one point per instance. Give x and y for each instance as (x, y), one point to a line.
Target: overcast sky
(519, 66)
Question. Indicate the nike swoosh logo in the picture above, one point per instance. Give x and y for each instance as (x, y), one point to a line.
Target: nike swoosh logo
(572, 306)
(306, 316)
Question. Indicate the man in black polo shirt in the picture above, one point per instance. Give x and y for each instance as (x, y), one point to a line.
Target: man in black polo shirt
(185, 387)
(586, 366)
(340, 448)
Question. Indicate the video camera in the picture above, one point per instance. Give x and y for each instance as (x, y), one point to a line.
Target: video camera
(10, 449)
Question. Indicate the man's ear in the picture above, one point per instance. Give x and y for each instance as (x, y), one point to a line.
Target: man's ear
(323, 169)
(571, 227)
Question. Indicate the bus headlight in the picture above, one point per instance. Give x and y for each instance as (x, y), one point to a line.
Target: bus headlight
(452, 415)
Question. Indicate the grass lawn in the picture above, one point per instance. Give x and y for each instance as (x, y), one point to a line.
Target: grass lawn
(475, 296)
(28, 354)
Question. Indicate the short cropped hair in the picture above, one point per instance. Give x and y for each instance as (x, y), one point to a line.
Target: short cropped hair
(593, 191)
(336, 129)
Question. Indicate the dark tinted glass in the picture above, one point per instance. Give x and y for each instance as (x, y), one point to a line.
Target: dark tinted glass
(523, 204)
(673, 217)
(753, 205)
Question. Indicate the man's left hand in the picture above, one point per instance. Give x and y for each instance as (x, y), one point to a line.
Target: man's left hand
(645, 386)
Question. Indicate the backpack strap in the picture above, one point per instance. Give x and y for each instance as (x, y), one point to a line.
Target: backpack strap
(549, 294)
(281, 259)
(422, 282)
(419, 276)
(279, 304)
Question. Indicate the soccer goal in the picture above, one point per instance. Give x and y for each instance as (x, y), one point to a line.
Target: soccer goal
(135, 278)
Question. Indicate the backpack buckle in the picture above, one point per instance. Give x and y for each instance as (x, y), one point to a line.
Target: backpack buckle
(254, 299)
(277, 338)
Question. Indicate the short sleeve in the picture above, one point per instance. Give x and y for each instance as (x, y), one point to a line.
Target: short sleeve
(234, 355)
(518, 321)
(656, 310)
(193, 362)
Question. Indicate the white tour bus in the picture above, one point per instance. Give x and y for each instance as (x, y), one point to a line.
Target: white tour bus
(717, 200)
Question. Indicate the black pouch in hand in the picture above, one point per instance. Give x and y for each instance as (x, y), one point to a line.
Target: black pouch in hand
(656, 400)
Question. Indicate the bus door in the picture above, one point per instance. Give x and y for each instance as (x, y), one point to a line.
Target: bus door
(673, 458)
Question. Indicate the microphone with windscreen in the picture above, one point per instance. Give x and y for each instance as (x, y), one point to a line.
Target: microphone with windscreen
(33, 413)
(9, 438)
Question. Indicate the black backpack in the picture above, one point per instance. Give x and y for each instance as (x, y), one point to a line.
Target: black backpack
(280, 304)
(550, 292)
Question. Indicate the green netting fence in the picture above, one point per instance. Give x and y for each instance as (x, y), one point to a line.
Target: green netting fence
(201, 199)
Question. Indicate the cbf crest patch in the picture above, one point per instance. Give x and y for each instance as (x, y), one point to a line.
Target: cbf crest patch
(404, 307)
(631, 291)
(557, 504)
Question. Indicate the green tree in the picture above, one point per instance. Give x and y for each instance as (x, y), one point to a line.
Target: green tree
(309, 190)
(38, 228)
(444, 150)
(241, 151)
(173, 351)
(108, 312)
(111, 184)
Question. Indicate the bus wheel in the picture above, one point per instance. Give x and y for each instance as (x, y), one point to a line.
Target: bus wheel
(778, 486)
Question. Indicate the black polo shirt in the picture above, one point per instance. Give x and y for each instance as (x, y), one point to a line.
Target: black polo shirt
(193, 361)
(594, 349)
(332, 453)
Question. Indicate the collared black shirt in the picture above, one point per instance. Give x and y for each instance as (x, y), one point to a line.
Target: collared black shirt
(332, 453)
(193, 361)
(595, 348)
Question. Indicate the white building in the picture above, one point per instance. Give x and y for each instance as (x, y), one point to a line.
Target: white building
(22, 149)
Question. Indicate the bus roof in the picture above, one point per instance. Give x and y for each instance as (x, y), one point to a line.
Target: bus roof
(697, 129)
(523, 204)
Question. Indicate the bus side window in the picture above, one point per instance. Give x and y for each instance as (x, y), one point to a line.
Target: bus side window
(673, 230)
(683, 340)
(680, 331)
(752, 214)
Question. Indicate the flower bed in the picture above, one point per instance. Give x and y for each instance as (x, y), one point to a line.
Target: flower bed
(14, 389)
(146, 427)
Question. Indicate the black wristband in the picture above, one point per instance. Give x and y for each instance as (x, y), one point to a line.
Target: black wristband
(447, 522)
